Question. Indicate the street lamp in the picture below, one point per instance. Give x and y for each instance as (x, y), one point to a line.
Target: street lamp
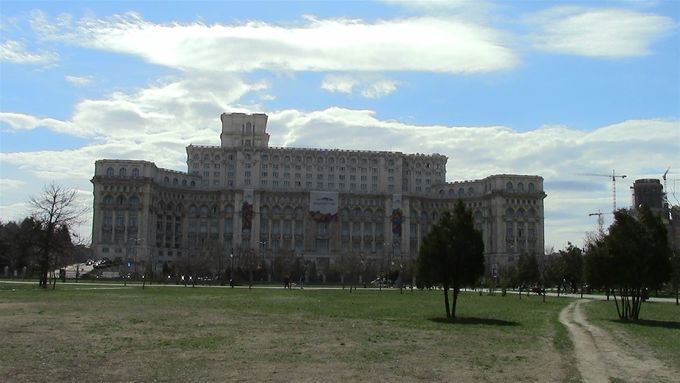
(231, 270)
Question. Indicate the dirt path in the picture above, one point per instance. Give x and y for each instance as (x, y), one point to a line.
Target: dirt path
(601, 358)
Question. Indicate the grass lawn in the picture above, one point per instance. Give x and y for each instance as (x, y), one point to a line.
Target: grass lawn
(658, 331)
(105, 333)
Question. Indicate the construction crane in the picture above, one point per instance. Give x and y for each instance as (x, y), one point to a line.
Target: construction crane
(613, 177)
(665, 191)
(600, 221)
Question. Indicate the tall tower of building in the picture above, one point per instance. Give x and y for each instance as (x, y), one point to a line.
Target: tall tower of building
(244, 130)
(649, 192)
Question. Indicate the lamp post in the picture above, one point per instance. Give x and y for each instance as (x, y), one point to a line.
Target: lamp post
(231, 269)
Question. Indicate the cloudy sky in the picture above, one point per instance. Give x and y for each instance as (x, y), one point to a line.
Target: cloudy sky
(558, 89)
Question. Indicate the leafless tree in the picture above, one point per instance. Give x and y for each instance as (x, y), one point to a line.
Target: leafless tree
(55, 209)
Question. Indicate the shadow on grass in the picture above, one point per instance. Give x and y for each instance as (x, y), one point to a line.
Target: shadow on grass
(473, 320)
(649, 323)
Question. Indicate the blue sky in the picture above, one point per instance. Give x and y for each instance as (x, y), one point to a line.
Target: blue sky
(530, 87)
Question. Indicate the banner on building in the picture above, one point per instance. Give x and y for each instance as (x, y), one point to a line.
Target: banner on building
(397, 217)
(323, 206)
(247, 209)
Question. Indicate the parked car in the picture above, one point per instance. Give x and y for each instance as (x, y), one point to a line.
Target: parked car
(380, 282)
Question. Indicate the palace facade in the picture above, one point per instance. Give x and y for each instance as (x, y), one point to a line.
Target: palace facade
(319, 204)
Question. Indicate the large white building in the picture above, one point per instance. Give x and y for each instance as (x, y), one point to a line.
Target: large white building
(320, 204)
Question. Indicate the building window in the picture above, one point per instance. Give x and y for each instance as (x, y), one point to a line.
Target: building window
(122, 172)
(109, 172)
(135, 172)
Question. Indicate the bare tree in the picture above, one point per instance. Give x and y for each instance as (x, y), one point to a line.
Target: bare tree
(55, 209)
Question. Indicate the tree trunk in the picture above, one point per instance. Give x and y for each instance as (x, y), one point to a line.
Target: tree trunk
(446, 302)
(616, 302)
(456, 290)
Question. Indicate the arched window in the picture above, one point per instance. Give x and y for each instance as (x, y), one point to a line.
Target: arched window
(249, 127)
(461, 192)
(520, 187)
(532, 188)
(508, 187)
(228, 210)
(108, 200)
(134, 201)
(478, 216)
(166, 180)
(122, 172)
(184, 182)
(471, 191)
(109, 172)
(135, 172)
(276, 211)
(175, 181)
(193, 183)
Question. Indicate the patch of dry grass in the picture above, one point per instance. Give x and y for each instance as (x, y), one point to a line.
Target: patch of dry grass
(214, 334)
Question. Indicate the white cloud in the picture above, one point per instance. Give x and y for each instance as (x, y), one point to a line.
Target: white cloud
(78, 80)
(14, 52)
(369, 88)
(410, 44)
(20, 121)
(338, 83)
(606, 32)
(9, 184)
(379, 89)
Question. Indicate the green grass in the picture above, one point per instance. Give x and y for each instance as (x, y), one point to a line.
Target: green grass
(217, 334)
(658, 330)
